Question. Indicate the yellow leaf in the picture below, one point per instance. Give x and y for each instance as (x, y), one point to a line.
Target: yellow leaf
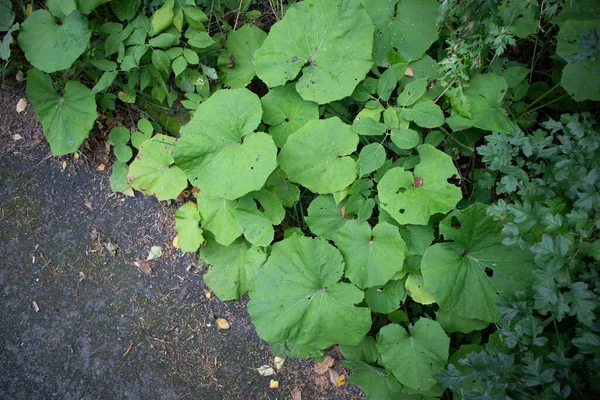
(19, 76)
(265, 370)
(409, 72)
(64, 165)
(222, 323)
(341, 380)
(128, 192)
(208, 294)
(76, 155)
(28, 10)
(273, 384)
(175, 241)
(101, 167)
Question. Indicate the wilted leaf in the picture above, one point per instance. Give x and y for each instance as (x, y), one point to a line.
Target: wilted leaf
(17, 137)
(296, 394)
(21, 105)
(155, 253)
(323, 367)
(265, 370)
(278, 361)
(100, 167)
(143, 266)
(222, 324)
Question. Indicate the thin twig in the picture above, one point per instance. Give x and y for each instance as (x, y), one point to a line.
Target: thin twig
(237, 16)
(445, 90)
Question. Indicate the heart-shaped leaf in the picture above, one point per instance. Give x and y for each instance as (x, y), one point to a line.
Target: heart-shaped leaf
(298, 297)
(187, 225)
(329, 40)
(317, 156)
(50, 47)
(67, 119)
(237, 60)
(218, 150)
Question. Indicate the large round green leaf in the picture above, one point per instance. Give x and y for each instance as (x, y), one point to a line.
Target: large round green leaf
(317, 156)
(386, 299)
(411, 198)
(413, 357)
(372, 256)
(152, 171)
(375, 382)
(325, 217)
(286, 112)
(7, 15)
(218, 150)
(468, 274)
(580, 77)
(298, 297)
(232, 268)
(237, 60)
(408, 26)
(219, 216)
(67, 119)
(485, 96)
(329, 40)
(187, 225)
(50, 47)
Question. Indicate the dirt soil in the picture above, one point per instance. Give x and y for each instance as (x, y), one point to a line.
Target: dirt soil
(80, 321)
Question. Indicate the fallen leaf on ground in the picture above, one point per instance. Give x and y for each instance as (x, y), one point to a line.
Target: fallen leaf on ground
(321, 382)
(341, 380)
(296, 394)
(35, 306)
(76, 155)
(16, 137)
(101, 167)
(208, 294)
(333, 376)
(21, 105)
(273, 384)
(175, 241)
(222, 323)
(143, 266)
(409, 72)
(155, 253)
(88, 204)
(278, 361)
(322, 367)
(64, 165)
(265, 370)
(19, 76)
(111, 247)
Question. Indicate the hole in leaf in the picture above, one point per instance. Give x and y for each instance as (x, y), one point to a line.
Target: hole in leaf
(401, 211)
(455, 223)
(489, 272)
(381, 289)
(401, 190)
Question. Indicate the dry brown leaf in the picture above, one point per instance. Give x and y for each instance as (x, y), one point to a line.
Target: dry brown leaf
(88, 204)
(195, 191)
(222, 323)
(101, 167)
(296, 394)
(21, 105)
(143, 266)
(343, 210)
(273, 384)
(321, 368)
(321, 382)
(409, 72)
(333, 376)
